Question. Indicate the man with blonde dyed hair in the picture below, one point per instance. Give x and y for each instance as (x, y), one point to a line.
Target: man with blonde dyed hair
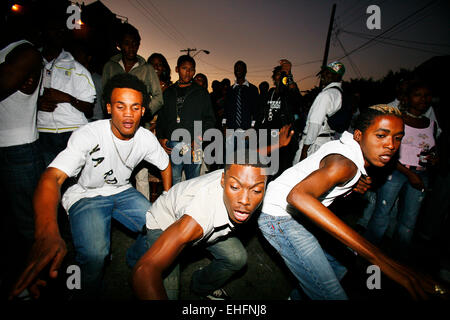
(309, 187)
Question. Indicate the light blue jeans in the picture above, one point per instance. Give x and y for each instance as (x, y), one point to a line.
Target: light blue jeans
(318, 273)
(191, 170)
(229, 256)
(410, 201)
(90, 223)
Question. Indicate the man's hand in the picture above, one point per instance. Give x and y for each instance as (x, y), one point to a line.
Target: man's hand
(419, 286)
(363, 184)
(163, 143)
(56, 96)
(415, 181)
(49, 249)
(285, 135)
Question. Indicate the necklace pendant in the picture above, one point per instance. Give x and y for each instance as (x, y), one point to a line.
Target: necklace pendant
(178, 119)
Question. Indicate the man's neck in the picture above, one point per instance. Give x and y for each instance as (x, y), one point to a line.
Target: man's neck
(183, 84)
(240, 81)
(128, 64)
(50, 53)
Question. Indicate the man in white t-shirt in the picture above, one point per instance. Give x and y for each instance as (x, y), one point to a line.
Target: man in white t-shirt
(303, 193)
(103, 155)
(317, 131)
(205, 210)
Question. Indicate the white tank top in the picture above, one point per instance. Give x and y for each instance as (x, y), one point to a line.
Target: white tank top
(18, 112)
(275, 203)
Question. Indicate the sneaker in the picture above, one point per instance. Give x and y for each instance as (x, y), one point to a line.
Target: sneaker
(219, 294)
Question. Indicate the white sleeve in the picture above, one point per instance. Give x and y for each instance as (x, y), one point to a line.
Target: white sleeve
(313, 132)
(319, 108)
(84, 84)
(156, 155)
(72, 159)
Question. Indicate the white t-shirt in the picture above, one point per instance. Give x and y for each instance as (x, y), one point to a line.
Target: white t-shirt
(18, 112)
(105, 163)
(67, 75)
(201, 198)
(277, 191)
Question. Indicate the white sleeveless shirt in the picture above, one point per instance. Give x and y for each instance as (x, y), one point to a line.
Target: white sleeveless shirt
(18, 112)
(275, 203)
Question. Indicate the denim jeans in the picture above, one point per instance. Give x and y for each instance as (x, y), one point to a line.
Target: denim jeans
(410, 201)
(318, 273)
(191, 170)
(229, 256)
(20, 169)
(90, 223)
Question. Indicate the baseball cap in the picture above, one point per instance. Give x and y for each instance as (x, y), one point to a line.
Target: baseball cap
(335, 67)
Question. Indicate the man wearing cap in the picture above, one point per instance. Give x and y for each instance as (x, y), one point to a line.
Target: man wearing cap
(328, 101)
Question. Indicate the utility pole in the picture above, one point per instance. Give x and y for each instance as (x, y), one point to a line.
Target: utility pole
(188, 50)
(327, 44)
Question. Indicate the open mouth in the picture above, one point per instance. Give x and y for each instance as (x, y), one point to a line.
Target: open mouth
(128, 124)
(385, 158)
(241, 215)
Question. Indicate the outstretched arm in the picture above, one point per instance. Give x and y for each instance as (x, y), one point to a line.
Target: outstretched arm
(147, 274)
(48, 246)
(335, 170)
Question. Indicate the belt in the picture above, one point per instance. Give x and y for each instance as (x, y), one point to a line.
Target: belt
(326, 135)
(418, 168)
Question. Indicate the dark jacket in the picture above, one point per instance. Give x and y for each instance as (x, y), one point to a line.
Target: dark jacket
(196, 107)
(251, 103)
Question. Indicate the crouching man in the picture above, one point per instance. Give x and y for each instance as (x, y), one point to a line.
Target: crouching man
(204, 209)
(102, 154)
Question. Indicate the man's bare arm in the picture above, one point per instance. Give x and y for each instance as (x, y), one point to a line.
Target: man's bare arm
(147, 278)
(48, 246)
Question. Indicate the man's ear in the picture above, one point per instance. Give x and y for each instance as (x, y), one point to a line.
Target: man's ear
(176, 69)
(357, 135)
(108, 108)
(222, 181)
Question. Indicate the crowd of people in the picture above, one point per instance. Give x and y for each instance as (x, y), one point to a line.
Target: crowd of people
(97, 147)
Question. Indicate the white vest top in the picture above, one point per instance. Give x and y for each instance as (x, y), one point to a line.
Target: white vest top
(18, 112)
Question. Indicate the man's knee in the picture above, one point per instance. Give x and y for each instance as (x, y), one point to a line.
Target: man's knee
(237, 260)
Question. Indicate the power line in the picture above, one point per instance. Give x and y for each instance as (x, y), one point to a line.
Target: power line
(168, 23)
(149, 17)
(367, 36)
(389, 29)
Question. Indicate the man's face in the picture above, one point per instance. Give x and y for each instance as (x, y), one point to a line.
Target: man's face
(240, 71)
(126, 111)
(381, 140)
(243, 191)
(129, 47)
(185, 72)
(327, 77)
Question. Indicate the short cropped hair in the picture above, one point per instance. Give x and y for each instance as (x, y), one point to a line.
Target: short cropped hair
(125, 80)
(185, 58)
(367, 116)
(127, 29)
(246, 161)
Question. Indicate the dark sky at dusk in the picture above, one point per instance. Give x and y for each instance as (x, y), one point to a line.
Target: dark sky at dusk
(262, 32)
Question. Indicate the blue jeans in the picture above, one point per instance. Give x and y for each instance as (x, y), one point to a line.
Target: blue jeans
(90, 223)
(20, 170)
(318, 273)
(229, 256)
(410, 201)
(191, 170)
